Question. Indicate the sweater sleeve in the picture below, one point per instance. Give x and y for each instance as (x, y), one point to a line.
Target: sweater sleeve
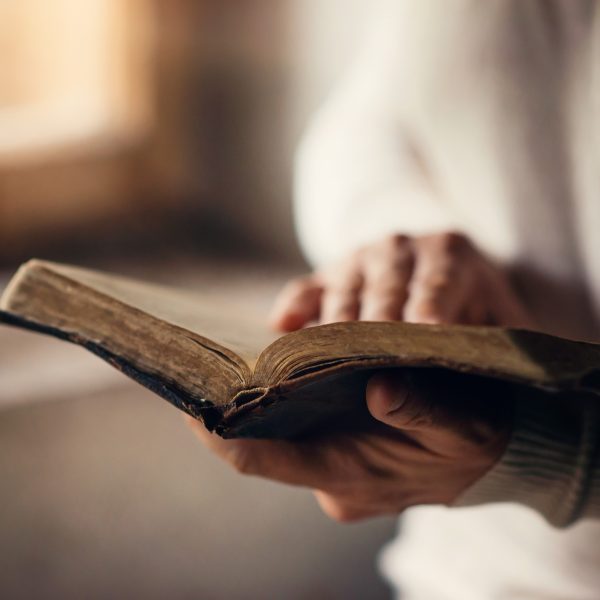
(361, 172)
(552, 462)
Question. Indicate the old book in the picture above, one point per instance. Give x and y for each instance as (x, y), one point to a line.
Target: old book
(227, 369)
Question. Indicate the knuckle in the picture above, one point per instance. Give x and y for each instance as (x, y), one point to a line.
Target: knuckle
(439, 283)
(399, 265)
(383, 397)
(392, 276)
(396, 242)
(418, 420)
(413, 416)
(418, 410)
(344, 287)
(453, 242)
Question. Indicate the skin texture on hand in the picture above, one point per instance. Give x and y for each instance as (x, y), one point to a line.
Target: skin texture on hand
(432, 279)
(421, 450)
(435, 433)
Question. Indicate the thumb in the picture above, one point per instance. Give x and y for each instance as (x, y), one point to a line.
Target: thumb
(393, 399)
(408, 401)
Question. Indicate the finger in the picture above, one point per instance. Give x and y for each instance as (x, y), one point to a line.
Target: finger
(438, 288)
(387, 270)
(297, 304)
(341, 294)
(340, 511)
(406, 401)
(286, 462)
(444, 412)
(393, 400)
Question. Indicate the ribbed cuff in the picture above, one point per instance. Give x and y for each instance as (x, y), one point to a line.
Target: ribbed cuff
(551, 463)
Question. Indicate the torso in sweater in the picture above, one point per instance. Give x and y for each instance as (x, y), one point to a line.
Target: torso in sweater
(505, 110)
(500, 100)
(501, 107)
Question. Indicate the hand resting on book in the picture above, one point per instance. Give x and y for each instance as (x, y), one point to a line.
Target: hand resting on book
(433, 439)
(438, 278)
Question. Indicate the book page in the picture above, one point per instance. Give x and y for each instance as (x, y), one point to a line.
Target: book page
(520, 356)
(229, 326)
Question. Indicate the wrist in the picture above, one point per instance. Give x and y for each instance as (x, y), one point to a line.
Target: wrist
(547, 464)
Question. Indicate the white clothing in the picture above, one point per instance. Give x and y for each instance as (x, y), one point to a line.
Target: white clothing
(483, 117)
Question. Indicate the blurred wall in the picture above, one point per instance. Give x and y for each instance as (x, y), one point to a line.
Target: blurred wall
(168, 112)
(264, 67)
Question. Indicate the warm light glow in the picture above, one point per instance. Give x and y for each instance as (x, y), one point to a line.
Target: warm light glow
(63, 70)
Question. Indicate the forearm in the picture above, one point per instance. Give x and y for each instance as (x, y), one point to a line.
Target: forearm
(552, 463)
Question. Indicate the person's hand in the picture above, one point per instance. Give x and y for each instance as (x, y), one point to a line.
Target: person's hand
(439, 278)
(436, 433)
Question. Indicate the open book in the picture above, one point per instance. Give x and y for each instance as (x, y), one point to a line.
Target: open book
(227, 369)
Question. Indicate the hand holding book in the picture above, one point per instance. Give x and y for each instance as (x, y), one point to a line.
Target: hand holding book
(225, 369)
(434, 433)
(430, 439)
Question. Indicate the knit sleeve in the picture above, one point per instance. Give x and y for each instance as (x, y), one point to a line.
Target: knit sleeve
(552, 462)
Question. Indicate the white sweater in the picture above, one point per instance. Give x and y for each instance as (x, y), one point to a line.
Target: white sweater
(481, 116)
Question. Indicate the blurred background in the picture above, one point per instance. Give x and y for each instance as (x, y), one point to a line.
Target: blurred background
(155, 138)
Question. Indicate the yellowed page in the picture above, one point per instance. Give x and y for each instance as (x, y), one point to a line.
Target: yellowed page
(230, 326)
